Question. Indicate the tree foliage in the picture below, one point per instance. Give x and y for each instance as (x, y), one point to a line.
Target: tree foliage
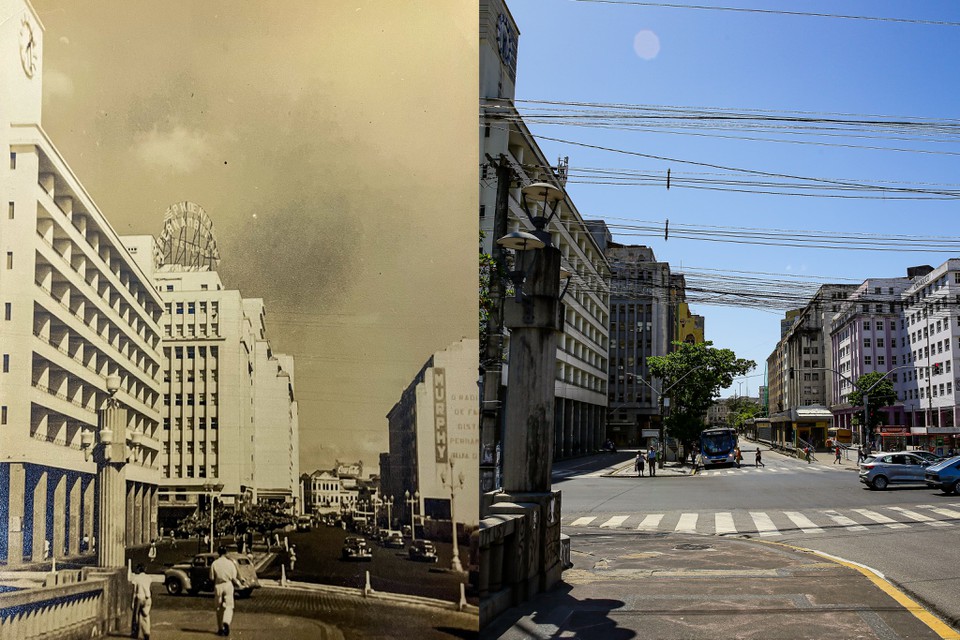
(741, 409)
(692, 376)
(880, 393)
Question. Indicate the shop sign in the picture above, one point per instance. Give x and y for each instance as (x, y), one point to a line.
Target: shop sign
(943, 430)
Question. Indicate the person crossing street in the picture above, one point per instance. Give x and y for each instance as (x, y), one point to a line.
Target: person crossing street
(758, 462)
(225, 576)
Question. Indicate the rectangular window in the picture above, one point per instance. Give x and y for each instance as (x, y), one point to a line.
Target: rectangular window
(3, 414)
(10, 210)
(866, 343)
(204, 287)
(180, 308)
(879, 343)
(9, 259)
(7, 310)
(190, 352)
(868, 360)
(13, 160)
(178, 352)
(893, 360)
(949, 388)
(213, 422)
(191, 307)
(880, 361)
(169, 287)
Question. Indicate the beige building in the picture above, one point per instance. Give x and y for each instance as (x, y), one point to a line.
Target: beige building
(230, 424)
(76, 308)
(582, 352)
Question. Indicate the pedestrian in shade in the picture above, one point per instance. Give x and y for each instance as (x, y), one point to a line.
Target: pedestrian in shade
(638, 464)
(652, 461)
(141, 603)
(759, 462)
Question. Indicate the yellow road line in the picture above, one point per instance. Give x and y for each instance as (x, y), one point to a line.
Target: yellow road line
(936, 624)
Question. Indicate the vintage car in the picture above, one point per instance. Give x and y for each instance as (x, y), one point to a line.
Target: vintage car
(355, 549)
(193, 575)
(423, 550)
(393, 539)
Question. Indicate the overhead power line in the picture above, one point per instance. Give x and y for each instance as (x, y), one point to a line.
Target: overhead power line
(781, 12)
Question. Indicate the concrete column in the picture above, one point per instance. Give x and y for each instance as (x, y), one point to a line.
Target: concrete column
(131, 509)
(73, 535)
(39, 516)
(15, 504)
(528, 433)
(112, 494)
(567, 428)
(154, 508)
(88, 494)
(58, 548)
(137, 524)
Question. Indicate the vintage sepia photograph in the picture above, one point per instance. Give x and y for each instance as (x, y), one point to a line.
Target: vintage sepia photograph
(239, 391)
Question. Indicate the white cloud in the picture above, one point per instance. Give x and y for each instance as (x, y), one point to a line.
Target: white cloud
(57, 84)
(179, 151)
(646, 44)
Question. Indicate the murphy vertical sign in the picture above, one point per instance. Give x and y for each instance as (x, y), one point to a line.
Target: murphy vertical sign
(440, 414)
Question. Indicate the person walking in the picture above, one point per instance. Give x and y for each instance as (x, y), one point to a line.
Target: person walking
(837, 453)
(638, 464)
(758, 462)
(737, 455)
(152, 553)
(652, 461)
(806, 454)
(293, 557)
(141, 603)
(224, 574)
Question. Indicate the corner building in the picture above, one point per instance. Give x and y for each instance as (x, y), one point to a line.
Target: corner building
(76, 308)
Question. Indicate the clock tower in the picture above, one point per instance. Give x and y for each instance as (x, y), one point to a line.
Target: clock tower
(21, 46)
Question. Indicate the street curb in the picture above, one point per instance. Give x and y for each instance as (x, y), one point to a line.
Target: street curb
(395, 598)
(925, 613)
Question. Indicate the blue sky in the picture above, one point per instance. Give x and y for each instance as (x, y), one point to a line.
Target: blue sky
(584, 52)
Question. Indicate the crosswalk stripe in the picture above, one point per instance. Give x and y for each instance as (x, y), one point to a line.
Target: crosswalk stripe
(806, 525)
(844, 521)
(881, 519)
(651, 522)
(950, 513)
(615, 521)
(687, 523)
(919, 517)
(582, 522)
(724, 523)
(764, 524)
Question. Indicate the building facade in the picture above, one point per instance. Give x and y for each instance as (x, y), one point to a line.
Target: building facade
(506, 142)
(76, 308)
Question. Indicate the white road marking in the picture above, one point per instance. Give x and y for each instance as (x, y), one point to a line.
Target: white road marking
(615, 521)
(650, 522)
(919, 517)
(764, 524)
(582, 522)
(844, 521)
(881, 519)
(950, 513)
(724, 523)
(687, 523)
(806, 525)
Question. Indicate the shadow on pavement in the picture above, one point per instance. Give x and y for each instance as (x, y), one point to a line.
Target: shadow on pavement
(562, 616)
(458, 633)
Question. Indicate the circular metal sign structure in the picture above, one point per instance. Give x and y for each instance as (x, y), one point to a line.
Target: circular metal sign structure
(187, 238)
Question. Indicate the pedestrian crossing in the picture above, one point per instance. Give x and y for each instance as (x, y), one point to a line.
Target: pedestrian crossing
(777, 523)
(770, 470)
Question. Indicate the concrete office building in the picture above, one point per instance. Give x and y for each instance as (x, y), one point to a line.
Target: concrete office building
(74, 309)
(230, 424)
(582, 353)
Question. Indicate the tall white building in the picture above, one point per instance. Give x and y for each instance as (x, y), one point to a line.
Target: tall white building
(76, 308)
(230, 423)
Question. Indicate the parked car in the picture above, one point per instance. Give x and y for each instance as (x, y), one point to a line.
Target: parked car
(193, 575)
(944, 475)
(893, 468)
(355, 549)
(304, 523)
(932, 458)
(393, 539)
(423, 550)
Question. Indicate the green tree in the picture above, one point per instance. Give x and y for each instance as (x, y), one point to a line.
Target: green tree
(692, 376)
(741, 409)
(880, 393)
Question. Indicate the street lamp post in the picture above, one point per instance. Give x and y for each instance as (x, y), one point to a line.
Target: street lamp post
(389, 503)
(455, 485)
(111, 458)
(211, 489)
(412, 501)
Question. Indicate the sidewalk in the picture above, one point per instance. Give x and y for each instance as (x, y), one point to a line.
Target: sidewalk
(669, 469)
(690, 587)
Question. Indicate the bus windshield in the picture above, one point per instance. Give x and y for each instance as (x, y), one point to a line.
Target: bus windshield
(717, 443)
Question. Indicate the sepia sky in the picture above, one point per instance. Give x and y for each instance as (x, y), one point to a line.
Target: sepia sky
(333, 145)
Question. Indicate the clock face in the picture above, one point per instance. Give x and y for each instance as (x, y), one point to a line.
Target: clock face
(29, 49)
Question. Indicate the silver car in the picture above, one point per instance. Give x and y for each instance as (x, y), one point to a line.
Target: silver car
(893, 468)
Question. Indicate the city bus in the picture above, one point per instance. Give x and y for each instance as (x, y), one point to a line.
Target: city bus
(717, 445)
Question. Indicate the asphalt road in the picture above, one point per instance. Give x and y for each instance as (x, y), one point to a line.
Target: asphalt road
(319, 561)
(907, 534)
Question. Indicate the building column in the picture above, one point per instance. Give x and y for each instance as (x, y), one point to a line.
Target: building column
(73, 534)
(154, 507)
(567, 428)
(111, 532)
(137, 524)
(58, 548)
(16, 501)
(87, 493)
(130, 505)
(39, 516)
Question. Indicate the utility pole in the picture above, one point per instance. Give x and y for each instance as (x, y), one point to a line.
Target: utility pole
(492, 352)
